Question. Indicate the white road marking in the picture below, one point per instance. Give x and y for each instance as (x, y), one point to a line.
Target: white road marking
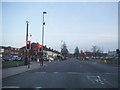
(107, 82)
(10, 87)
(72, 72)
(55, 72)
(58, 72)
(107, 73)
(94, 79)
(99, 79)
(88, 77)
(38, 87)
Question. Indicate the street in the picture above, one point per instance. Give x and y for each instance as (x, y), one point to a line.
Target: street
(70, 73)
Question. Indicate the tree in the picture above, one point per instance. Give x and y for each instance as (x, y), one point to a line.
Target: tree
(76, 52)
(96, 51)
(81, 51)
(64, 50)
(82, 55)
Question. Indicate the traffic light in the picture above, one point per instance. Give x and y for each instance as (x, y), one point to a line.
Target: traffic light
(28, 44)
(39, 47)
(118, 51)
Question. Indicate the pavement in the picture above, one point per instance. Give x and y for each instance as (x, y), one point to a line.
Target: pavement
(17, 70)
(7, 72)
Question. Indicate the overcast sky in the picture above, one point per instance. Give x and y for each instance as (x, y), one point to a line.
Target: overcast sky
(81, 24)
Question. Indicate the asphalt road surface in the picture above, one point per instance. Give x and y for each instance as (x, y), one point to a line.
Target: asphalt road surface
(70, 73)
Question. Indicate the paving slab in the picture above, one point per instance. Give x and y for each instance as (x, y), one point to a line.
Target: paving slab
(17, 70)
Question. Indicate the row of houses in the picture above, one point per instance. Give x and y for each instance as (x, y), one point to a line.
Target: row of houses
(9, 51)
(34, 51)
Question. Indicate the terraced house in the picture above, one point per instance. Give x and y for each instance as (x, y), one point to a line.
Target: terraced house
(9, 51)
(35, 51)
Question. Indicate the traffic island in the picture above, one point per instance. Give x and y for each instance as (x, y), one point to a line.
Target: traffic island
(110, 61)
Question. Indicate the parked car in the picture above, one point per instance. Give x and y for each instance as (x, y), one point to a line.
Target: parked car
(60, 57)
(19, 58)
(50, 58)
(16, 58)
(7, 58)
(87, 58)
(45, 59)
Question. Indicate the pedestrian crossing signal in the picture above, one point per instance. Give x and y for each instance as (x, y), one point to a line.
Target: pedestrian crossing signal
(28, 44)
(39, 47)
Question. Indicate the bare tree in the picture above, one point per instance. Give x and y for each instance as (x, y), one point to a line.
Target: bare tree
(76, 52)
(96, 51)
(64, 50)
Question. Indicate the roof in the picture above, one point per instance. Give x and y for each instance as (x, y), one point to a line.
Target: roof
(34, 46)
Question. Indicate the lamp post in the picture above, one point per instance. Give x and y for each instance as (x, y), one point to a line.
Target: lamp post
(43, 35)
(26, 56)
(27, 31)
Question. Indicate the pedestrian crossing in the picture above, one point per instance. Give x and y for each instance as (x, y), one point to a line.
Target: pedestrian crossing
(58, 72)
(67, 73)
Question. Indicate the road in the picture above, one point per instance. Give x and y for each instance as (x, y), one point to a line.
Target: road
(70, 73)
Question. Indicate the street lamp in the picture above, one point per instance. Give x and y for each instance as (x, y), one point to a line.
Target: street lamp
(43, 35)
(26, 56)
